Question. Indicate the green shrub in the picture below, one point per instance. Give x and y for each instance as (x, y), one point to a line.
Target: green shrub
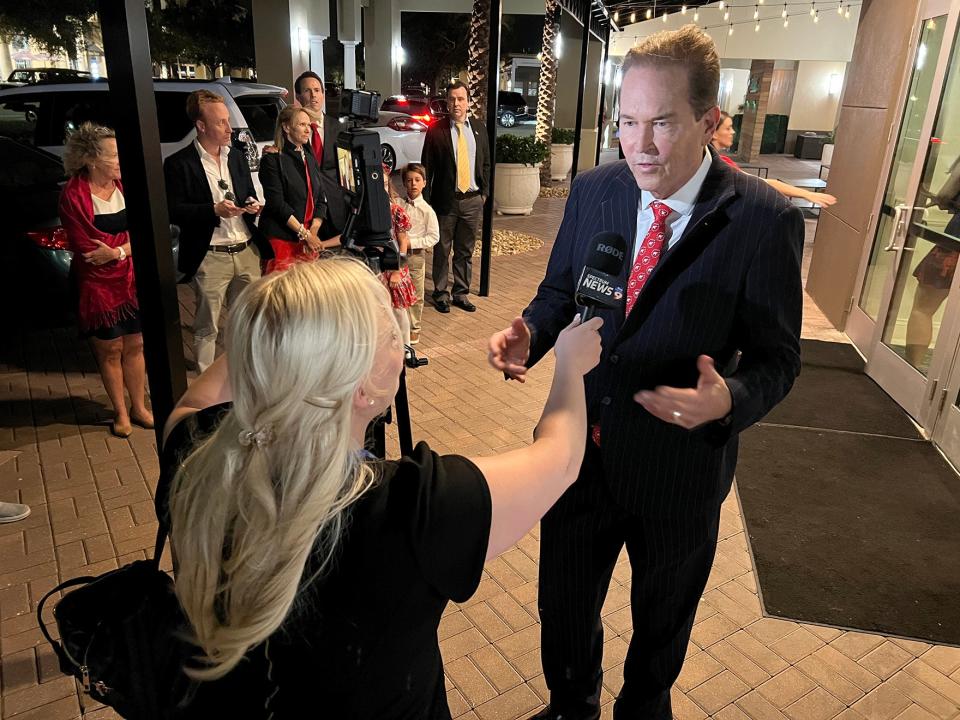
(516, 149)
(562, 136)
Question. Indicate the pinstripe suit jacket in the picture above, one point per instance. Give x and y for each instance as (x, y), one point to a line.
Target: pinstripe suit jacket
(730, 283)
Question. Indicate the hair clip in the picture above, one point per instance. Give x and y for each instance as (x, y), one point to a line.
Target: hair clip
(322, 402)
(262, 437)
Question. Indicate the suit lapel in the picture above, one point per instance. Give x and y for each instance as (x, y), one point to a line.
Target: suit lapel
(618, 213)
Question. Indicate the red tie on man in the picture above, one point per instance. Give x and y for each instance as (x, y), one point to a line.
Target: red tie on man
(647, 258)
(316, 143)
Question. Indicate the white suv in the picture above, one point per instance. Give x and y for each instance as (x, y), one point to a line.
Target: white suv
(43, 116)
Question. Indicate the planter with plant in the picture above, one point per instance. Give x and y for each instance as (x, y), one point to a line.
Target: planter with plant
(518, 176)
(561, 153)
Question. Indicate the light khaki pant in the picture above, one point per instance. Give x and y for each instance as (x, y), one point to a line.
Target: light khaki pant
(416, 262)
(221, 276)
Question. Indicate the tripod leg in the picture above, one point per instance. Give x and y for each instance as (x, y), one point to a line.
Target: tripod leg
(403, 416)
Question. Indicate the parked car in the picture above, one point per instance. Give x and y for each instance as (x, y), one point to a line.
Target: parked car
(401, 138)
(44, 115)
(510, 107)
(25, 76)
(423, 109)
(34, 245)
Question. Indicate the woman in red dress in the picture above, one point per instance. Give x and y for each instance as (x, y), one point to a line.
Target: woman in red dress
(94, 216)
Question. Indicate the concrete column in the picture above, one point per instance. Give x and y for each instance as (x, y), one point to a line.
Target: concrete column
(6, 63)
(755, 109)
(591, 106)
(382, 47)
(284, 34)
(316, 55)
(568, 72)
(349, 63)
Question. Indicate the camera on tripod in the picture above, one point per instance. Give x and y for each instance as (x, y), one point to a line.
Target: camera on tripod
(369, 223)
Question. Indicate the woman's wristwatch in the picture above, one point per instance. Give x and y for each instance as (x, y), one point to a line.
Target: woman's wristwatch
(123, 253)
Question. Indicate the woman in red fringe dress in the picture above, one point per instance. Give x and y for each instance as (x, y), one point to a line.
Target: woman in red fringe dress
(94, 216)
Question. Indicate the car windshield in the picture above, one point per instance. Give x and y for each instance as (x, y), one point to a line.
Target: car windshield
(24, 167)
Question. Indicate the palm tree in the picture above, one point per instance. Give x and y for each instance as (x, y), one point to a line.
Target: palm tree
(478, 65)
(547, 95)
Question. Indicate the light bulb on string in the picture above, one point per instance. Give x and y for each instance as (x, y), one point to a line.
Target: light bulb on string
(756, 28)
(730, 31)
(846, 12)
(616, 16)
(784, 13)
(840, 8)
(726, 16)
(756, 12)
(786, 22)
(720, 5)
(813, 8)
(683, 9)
(633, 17)
(664, 15)
(649, 13)
(816, 16)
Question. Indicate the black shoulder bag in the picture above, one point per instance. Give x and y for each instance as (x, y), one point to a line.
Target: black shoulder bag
(120, 635)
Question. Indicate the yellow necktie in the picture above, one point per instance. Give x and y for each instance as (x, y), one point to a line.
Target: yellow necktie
(463, 160)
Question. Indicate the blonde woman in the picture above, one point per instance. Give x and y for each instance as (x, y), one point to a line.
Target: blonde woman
(294, 203)
(94, 216)
(313, 577)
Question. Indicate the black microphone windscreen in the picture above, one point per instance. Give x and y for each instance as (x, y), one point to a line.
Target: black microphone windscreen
(607, 252)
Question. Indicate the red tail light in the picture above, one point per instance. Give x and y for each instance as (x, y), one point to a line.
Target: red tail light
(406, 123)
(53, 238)
(425, 119)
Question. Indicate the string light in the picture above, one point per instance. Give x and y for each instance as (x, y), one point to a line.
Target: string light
(720, 5)
(649, 13)
(696, 14)
(616, 16)
(840, 8)
(664, 15)
(786, 22)
(756, 12)
(726, 16)
(784, 13)
(683, 10)
(816, 16)
(633, 17)
(756, 28)
(813, 8)
(730, 31)
(761, 2)
(846, 12)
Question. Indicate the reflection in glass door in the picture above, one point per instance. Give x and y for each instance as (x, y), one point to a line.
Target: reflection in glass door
(904, 157)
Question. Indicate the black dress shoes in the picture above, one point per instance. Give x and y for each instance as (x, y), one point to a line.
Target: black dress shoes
(464, 304)
(548, 713)
(441, 306)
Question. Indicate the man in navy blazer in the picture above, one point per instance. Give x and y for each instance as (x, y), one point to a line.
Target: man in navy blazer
(710, 344)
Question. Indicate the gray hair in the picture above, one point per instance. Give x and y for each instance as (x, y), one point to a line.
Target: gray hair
(83, 145)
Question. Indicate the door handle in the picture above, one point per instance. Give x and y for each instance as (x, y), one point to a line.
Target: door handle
(899, 225)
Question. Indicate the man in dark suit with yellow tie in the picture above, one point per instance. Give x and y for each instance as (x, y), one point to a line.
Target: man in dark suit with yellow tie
(456, 154)
(323, 144)
(706, 343)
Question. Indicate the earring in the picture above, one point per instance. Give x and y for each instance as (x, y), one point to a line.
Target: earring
(370, 402)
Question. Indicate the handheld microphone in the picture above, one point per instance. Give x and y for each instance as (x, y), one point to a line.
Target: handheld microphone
(599, 285)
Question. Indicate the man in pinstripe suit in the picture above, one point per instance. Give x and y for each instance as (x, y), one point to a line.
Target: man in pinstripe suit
(707, 344)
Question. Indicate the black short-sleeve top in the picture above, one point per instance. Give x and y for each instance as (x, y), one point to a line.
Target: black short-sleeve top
(361, 640)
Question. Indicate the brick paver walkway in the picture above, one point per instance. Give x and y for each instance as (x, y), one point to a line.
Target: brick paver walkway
(92, 510)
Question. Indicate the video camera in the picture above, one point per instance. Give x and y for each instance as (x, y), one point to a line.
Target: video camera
(369, 225)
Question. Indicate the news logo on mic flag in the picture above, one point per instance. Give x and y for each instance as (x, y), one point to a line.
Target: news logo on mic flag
(598, 288)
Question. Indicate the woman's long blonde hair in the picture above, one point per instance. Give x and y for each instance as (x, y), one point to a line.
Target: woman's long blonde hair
(270, 485)
(286, 118)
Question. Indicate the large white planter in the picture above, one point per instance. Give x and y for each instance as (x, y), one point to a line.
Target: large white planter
(827, 154)
(561, 160)
(516, 189)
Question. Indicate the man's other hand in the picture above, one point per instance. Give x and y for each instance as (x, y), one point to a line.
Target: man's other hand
(509, 350)
(690, 407)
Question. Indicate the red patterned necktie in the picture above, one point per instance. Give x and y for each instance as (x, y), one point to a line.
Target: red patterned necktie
(316, 144)
(647, 258)
(649, 253)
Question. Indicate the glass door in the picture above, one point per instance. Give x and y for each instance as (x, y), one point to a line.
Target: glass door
(911, 273)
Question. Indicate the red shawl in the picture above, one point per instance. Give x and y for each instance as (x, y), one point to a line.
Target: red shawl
(108, 293)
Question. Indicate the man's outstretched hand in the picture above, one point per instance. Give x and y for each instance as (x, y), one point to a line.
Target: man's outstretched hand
(509, 350)
(690, 407)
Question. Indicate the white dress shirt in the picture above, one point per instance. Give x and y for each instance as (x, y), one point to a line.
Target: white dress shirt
(681, 205)
(231, 230)
(424, 228)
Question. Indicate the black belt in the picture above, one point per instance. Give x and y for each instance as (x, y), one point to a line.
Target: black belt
(232, 249)
(468, 194)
